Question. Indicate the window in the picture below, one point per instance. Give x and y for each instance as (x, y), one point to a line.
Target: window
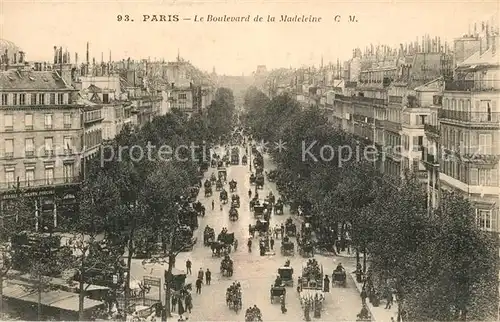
(9, 122)
(52, 98)
(485, 144)
(29, 147)
(68, 172)
(41, 99)
(483, 219)
(5, 99)
(48, 121)
(67, 120)
(68, 144)
(14, 99)
(182, 96)
(49, 148)
(10, 177)
(473, 177)
(9, 148)
(49, 174)
(28, 121)
(105, 98)
(60, 98)
(22, 99)
(33, 99)
(29, 176)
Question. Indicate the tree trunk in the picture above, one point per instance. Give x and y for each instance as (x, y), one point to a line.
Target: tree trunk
(1, 292)
(364, 260)
(127, 280)
(39, 301)
(81, 296)
(168, 278)
(357, 257)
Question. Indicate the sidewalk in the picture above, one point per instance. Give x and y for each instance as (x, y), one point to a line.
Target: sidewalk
(378, 313)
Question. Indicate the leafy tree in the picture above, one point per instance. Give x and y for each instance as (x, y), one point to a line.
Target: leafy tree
(17, 215)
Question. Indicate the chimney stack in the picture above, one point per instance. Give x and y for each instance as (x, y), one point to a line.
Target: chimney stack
(15, 58)
(55, 55)
(76, 59)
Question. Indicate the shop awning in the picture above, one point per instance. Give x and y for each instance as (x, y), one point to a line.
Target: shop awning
(57, 299)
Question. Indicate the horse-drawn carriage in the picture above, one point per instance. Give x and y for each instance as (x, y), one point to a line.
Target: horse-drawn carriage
(312, 275)
(261, 226)
(223, 196)
(286, 275)
(290, 228)
(244, 160)
(233, 298)
(306, 247)
(235, 159)
(278, 208)
(271, 198)
(208, 235)
(199, 208)
(232, 185)
(253, 179)
(253, 314)
(213, 178)
(258, 211)
(277, 292)
(222, 173)
(259, 181)
(219, 185)
(220, 164)
(226, 266)
(233, 214)
(339, 276)
(208, 191)
(235, 201)
(287, 248)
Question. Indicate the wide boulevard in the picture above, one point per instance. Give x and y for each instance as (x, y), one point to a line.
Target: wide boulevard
(254, 272)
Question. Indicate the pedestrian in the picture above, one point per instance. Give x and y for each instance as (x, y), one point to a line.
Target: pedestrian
(282, 231)
(208, 276)
(181, 307)
(390, 299)
(271, 242)
(198, 286)
(213, 204)
(221, 206)
(249, 193)
(188, 267)
(326, 284)
(174, 302)
(282, 302)
(200, 274)
(235, 244)
(189, 302)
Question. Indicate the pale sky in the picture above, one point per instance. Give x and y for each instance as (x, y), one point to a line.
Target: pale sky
(230, 47)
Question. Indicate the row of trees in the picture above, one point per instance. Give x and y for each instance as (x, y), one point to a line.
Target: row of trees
(441, 265)
(130, 196)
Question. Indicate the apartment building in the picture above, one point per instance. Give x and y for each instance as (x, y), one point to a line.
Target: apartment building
(105, 91)
(41, 144)
(470, 132)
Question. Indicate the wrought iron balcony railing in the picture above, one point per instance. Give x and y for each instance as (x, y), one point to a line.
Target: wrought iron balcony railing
(467, 86)
(39, 183)
(479, 117)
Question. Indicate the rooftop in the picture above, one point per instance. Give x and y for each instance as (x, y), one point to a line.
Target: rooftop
(31, 80)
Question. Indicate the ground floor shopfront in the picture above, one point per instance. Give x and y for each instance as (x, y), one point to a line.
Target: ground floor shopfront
(54, 208)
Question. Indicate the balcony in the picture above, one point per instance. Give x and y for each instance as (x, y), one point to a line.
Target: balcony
(431, 129)
(392, 126)
(467, 86)
(395, 99)
(39, 183)
(429, 159)
(471, 117)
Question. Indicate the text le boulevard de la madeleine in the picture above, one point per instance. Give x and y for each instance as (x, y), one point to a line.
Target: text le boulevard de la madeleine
(228, 19)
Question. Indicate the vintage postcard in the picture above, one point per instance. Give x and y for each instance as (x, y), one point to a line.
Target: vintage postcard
(249, 160)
